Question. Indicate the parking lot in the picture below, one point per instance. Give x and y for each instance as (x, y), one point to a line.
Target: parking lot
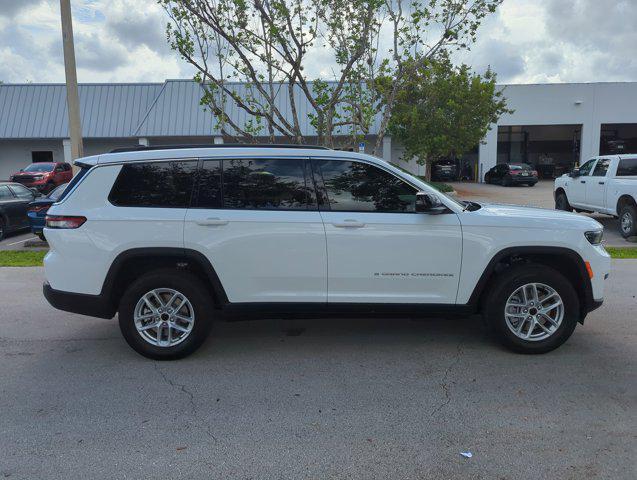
(315, 399)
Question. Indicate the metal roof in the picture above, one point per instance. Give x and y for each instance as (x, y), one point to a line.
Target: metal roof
(130, 110)
(106, 110)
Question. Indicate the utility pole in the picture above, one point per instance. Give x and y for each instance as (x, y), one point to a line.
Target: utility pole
(72, 96)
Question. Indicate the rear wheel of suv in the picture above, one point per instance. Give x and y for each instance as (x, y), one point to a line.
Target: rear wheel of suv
(2, 227)
(532, 308)
(628, 221)
(166, 314)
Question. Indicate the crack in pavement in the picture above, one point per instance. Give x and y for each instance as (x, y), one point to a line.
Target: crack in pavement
(443, 384)
(191, 398)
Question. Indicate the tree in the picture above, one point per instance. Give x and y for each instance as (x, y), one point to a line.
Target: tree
(444, 110)
(268, 45)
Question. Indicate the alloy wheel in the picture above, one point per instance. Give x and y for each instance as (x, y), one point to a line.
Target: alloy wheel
(164, 317)
(627, 222)
(534, 312)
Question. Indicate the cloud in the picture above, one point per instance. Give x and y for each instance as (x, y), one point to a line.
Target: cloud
(9, 8)
(525, 41)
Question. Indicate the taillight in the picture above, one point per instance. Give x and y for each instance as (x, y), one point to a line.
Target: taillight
(534, 173)
(58, 221)
(514, 172)
(39, 208)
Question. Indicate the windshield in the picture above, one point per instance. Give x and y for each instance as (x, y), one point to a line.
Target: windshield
(520, 167)
(39, 167)
(55, 194)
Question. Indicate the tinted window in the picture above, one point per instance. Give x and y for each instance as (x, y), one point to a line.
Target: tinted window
(210, 184)
(157, 184)
(22, 193)
(601, 168)
(519, 167)
(627, 167)
(55, 194)
(587, 167)
(76, 179)
(5, 193)
(360, 187)
(265, 184)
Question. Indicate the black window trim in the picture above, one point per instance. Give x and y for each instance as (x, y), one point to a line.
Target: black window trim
(328, 207)
(194, 204)
(160, 160)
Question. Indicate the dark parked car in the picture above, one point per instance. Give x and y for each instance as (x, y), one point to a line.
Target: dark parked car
(44, 176)
(38, 208)
(508, 174)
(14, 200)
(444, 170)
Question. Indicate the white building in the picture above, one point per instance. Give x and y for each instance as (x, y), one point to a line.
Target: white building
(553, 125)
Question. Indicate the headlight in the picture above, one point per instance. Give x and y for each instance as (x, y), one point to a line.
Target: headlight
(595, 237)
(38, 177)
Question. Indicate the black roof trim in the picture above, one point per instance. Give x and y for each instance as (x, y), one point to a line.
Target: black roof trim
(142, 148)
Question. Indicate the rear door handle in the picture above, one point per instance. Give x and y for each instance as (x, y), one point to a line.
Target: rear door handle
(348, 223)
(601, 183)
(582, 181)
(211, 222)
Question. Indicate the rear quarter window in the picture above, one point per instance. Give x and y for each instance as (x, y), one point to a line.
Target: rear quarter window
(154, 184)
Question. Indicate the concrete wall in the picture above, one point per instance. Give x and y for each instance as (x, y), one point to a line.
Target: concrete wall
(586, 104)
(16, 154)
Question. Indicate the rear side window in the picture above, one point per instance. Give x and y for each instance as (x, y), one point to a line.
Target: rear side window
(154, 184)
(22, 193)
(210, 185)
(74, 181)
(267, 184)
(627, 167)
(5, 193)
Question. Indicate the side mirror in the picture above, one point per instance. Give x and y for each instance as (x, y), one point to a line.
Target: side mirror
(429, 203)
(574, 173)
(35, 192)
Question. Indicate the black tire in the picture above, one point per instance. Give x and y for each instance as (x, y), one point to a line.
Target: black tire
(628, 221)
(183, 282)
(41, 236)
(512, 279)
(506, 182)
(561, 202)
(3, 229)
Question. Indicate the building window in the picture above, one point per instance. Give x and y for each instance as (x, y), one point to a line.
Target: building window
(42, 156)
(618, 138)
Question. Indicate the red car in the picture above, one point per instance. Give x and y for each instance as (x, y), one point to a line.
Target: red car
(44, 176)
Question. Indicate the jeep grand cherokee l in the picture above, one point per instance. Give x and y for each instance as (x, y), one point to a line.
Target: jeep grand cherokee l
(174, 239)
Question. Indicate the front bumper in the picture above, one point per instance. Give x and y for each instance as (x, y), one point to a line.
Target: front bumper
(91, 305)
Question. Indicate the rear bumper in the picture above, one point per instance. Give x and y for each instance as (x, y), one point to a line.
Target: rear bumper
(519, 179)
(91, 305)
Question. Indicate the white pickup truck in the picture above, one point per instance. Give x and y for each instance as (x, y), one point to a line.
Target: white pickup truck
(606, 184)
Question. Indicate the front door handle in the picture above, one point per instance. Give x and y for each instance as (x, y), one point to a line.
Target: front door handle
(582, 181)
(211, 222)
(349, 223)
(601, 183)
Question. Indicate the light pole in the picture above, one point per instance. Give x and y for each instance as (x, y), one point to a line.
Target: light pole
(72, 96)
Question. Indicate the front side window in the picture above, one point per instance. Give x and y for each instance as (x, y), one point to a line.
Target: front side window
(587, 167)
(601, 168)
(22, 193)
(267, 184)
(361, 187)
(154, 184)
(627, 167)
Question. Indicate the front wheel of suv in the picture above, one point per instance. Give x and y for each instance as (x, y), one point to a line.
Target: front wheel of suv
(165, 314)
(532, 308)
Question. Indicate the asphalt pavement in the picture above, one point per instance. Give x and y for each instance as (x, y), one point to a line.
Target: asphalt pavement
(316, 399)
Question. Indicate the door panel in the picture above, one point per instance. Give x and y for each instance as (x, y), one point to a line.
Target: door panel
(265, 237)
(576, 191)
(24, 196)
(596, 185)
(379, 249)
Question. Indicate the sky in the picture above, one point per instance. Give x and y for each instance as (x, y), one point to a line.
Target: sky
(526, 41)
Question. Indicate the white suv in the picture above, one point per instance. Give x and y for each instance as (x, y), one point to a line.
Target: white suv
(172, 239)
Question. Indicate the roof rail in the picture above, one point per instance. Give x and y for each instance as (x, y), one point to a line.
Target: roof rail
(142, 148)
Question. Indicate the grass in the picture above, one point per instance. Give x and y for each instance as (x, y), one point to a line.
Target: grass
(622, 252)
(21, 258)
